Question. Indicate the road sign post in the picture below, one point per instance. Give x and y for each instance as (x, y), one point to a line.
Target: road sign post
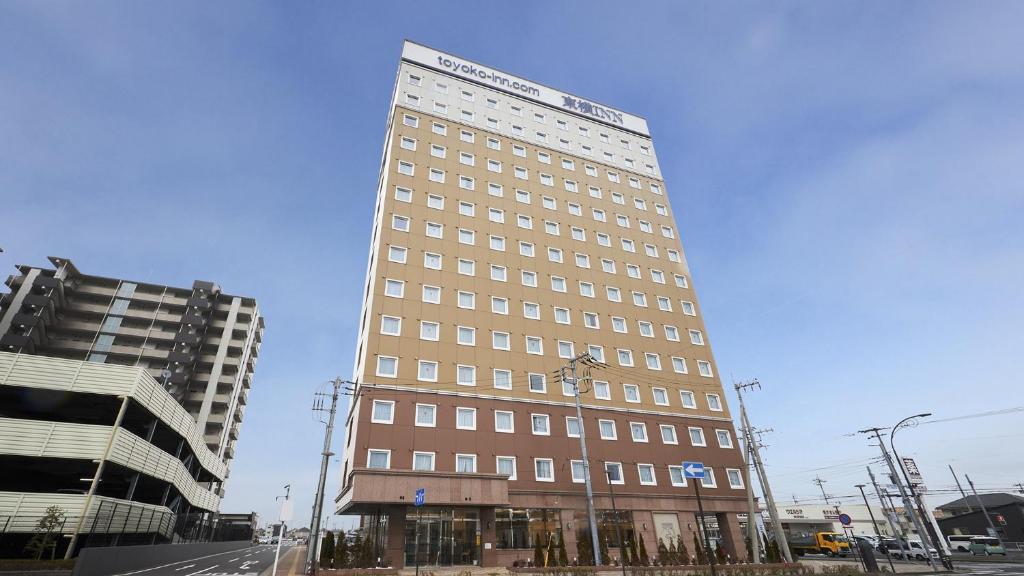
(421, 497)
(695, 471)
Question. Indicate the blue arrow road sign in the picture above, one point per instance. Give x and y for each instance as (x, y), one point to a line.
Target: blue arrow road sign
(693, 469)
(421, 495)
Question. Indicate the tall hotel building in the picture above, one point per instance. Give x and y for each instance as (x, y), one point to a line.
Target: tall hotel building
(517, 226)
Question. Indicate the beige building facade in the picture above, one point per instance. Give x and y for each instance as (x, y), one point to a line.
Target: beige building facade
(517, 227)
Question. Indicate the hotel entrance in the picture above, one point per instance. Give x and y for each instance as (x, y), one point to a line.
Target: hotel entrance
(442, 537)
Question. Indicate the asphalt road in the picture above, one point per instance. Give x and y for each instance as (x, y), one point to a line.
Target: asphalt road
(245, 562)
(990, 568)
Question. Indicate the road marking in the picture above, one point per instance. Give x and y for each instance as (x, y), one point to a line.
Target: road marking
(184, 567)
(203, 570)
(175, 564)
(233, 559)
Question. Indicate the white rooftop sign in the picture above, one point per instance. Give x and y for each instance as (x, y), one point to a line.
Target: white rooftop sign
(462, 68)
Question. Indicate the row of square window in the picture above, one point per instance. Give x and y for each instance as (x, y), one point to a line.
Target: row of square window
(499, 305)
(468, 236)
(504, 422)
(407, 168)
(438, 107)
(544, 469)
(427, 371)
(466, 335)
(467, 158)
(524, 221)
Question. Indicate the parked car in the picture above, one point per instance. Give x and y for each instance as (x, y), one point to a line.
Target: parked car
(960, 542)
(910, 550)
(986, 545)
(872, 540)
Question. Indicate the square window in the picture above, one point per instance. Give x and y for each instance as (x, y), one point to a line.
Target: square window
(548, 203)
(496, 190)
(586, 289)
(558, 284)
(679, 365)
(578, 471)
(499, 273)
(714, 402)
(574, 209)
(504, 422)
(403, 194)
(653, 361)
(619, 324)
(500, 340)
(522, 196)
(625, 357)
(497, 243)
(519, 150)
(675, 474)
(671, 333)
(390, 325)
(426, 415)
(613, 473)
(696, 338)
(408, 143)
(434, 230)
(529, 278)
(410, 120)
(378, 459)
(724, 438)
(602, 390)
(431, 294)
(427, 371)
(506, 466)
(534, 345)
(502, 379)
(465, 463)
(538, 383)
(467, 300)
(436, 175)
(394, 288)
(466, 336)
(704, 368)
(607, 429)
(465, 418)
(688, 308)
(383, 412)
(431, 261)
(735, 478)
(423, 461)
(544, 469)
(467, 209)
(613, 293)
(397, 254)
(466, 237)
(597, 352)
(582, 260)
(646, 329)
(709, 478)
(664, 304)
(387, 367)
(668, 434)
(688, 399)
(565, 349)
(640, 299)
(632, 393)
(633, 271)
(499, 305)
(697, 436)
(467, 183)
(438, 151)
(591, 320)
(531, 310)
(467, 267)
(540, 424)
(646, 472)
(638, 430)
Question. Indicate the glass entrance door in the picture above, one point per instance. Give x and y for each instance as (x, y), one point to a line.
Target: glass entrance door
(442, 537)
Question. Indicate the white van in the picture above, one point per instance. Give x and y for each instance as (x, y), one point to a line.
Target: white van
(960, 542)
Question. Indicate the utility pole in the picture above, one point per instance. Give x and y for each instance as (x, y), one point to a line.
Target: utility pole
(991, 526)
(587, 360)
(780, 535)
(873, 523)
(821, 485)
(890, 514)
(907, 503)
(752, 535)
(1019, 485)
(961, 489)
(318, 501)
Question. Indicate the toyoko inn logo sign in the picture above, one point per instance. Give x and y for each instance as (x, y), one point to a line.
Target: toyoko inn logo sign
(590, 109)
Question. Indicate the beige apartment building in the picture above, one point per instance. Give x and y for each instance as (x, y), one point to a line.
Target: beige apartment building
(516, 227)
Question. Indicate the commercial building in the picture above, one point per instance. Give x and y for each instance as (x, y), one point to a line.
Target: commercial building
(517, 226)
(199, 343)
(120, 406)
(800, 519)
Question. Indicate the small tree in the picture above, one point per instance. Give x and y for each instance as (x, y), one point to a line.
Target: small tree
(552, 555)
(720, 554)
(357, 551)
(603, 543)
(43, 539)
(699, 551)
(584, 548)
(634, 557)
(327, 550)
(624, 554)
(644, 559)
(341, 551)
(538, 553)
(664, 557)
(563, 556)
(683, 554)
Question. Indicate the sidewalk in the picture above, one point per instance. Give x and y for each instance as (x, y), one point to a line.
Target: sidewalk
(290, 564)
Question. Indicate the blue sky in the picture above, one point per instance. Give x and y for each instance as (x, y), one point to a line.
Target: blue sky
(848, 179)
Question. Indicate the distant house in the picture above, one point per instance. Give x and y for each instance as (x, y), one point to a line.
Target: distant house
(964, 516)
